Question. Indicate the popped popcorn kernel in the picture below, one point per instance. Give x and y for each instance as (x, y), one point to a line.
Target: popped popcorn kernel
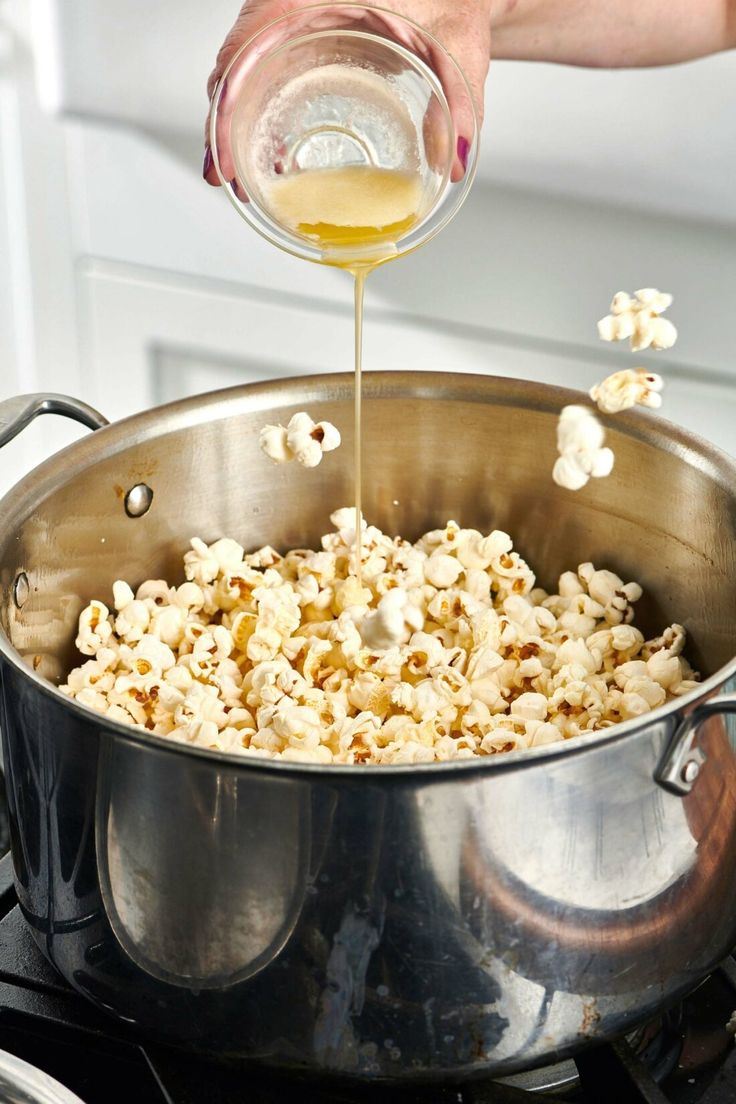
(630, 387)
(446, 650)
(580, 438)
(94, 628)
(302, 440)
(392, 621)
(639, 320)
(273, 441)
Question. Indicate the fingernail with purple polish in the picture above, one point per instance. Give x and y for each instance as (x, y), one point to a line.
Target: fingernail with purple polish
(463, 149)
(207, 162)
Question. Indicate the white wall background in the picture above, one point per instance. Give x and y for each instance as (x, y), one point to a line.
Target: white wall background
(125, 280)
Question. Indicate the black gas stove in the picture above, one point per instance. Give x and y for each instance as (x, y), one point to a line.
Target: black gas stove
(686, 1057)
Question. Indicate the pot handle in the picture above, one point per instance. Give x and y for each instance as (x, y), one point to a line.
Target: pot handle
(681, 763)
(18, 412)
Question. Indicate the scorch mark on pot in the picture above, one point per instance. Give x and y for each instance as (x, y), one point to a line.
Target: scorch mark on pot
(591, 1017)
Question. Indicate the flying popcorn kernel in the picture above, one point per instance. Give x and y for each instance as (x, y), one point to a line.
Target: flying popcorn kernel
(638, 319)
(652, 299)
(273, 441)
(302, 440)
(580, 438)
(659, 333)
(630, 387)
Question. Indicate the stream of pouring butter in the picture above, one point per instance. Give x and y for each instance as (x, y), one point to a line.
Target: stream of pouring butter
(359, 276)
(356, 215)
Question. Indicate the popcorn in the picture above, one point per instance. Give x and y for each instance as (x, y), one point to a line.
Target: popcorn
(580, 438)
(122, 595)
(579, 434)
(651, 299)
(302, 440)
(628, 388)
(94, 628)
(392, 621)
(638, 319)
(441, 570)
(530, 706)
(445, 650)
(273, 440)
(200, 565)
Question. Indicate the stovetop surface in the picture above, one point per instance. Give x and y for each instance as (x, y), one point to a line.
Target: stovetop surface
(45, 1022)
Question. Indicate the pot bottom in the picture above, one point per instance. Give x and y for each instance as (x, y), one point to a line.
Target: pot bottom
(42, 1004)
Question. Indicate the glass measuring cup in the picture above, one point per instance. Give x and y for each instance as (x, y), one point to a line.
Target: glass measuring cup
(362, 100)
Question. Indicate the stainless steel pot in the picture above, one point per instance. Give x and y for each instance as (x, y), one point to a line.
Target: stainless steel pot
(434, 921)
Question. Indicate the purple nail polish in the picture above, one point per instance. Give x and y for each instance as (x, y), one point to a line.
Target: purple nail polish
(207, 162)
(463, 149)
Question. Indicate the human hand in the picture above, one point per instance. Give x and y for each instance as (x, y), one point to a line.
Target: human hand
(462, 27)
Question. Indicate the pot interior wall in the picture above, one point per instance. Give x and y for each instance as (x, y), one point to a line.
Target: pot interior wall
(475, 449)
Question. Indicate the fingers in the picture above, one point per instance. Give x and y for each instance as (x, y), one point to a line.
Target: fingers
(255, 19)
(438, 138)
(254, 15)
(225, 102)
(461, 26)
(224, 56)
(468, 42)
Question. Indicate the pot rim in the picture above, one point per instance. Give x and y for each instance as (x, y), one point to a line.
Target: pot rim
(34, 488)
